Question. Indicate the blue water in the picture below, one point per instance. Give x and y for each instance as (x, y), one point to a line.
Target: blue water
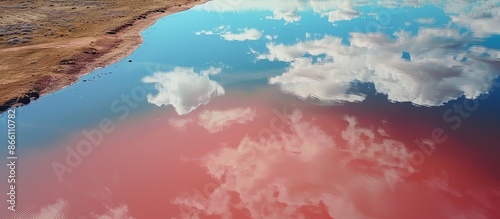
(172, 42)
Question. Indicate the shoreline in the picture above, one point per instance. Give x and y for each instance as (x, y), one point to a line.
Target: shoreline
(108, 48)
(129, 38)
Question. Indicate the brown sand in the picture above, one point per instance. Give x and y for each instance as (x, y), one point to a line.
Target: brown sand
(58, 41)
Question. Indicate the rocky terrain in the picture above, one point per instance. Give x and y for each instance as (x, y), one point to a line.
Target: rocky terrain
(47, 45)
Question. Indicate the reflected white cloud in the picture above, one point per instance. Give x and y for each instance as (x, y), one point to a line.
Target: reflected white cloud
(121, 212)
(481, 17)
(225, 33)
(426, 20)
(287, 10)
(442, 67)
(218, 30)
(341, 15)
(287, 16)
(345, 12)
(204, 32)
(277, 5)
(217, 120)
(56, 210)
(183, 88)
(61, 209)
(243, 35)
(240, 5)
(481, 27)
(282, 175)
(180, 124)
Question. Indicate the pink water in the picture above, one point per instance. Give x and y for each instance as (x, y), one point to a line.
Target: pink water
(277, 157)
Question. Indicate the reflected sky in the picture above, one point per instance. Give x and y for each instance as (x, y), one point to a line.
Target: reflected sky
(426, 53)
(280, 109)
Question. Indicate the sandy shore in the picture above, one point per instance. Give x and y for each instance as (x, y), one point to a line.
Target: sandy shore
(35, 69)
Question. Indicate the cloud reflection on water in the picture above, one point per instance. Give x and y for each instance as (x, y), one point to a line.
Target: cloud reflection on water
(441, 69)
(184, 89)
(446, 62)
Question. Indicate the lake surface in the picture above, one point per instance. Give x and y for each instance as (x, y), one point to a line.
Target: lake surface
(277, 109)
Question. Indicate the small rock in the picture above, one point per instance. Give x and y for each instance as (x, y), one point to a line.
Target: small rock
(92, 51)
(33, 95)
(24, 100)
(13, 41)
(67, 62)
